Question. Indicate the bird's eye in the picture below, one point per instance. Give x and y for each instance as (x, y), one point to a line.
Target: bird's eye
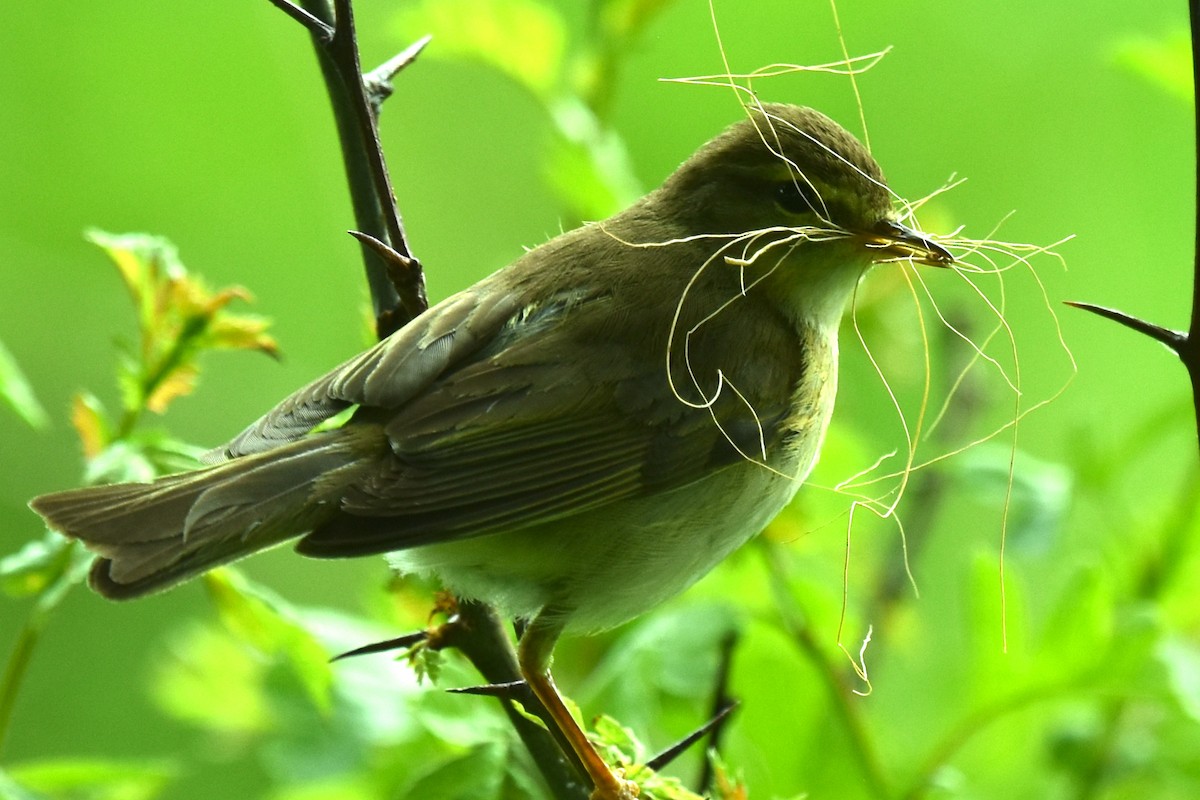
(798, 197)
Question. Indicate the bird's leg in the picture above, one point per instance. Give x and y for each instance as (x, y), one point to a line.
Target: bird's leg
(533, 655)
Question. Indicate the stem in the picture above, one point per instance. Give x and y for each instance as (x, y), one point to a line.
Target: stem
(840, 696)
(59, 581)
(1157, 575)
(14, 671)
(1185, 345)
(972, 724)
(480, 636)
(397, 286)
(1190, 349)
(371, 194)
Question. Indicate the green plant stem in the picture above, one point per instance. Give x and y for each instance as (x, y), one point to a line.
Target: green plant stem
(840, 696)
(1092, 777)
(159, 372)
(972, 724)
(21, 656)
(1158, 572)
(15, 669)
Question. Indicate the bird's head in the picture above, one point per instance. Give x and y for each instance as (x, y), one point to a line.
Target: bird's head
(811, 187)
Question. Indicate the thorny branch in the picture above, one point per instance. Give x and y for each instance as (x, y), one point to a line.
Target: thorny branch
(397, 283)
(397, 286)
(1185, 345)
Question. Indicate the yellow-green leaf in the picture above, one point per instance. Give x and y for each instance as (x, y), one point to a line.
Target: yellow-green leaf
(523, 39)
(16, 391)
(1166, 62)
(265, 621)
(87, 417)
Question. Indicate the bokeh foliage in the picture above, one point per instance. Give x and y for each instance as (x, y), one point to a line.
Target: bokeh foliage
(207, 124)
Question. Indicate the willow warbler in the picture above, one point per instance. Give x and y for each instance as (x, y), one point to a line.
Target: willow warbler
(579, 436)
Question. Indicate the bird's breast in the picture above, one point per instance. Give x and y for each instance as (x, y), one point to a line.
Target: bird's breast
(812, 404)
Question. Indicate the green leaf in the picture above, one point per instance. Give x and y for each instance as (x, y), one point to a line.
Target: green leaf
(45, 567)
(140, 258)
(1080, 627)
(619, 745)
(178, 318)
(728, 782)
(523, 39)
(1166, 62)
(1181, 657)
(16, 391)
(621, 739)
(340, 788)
(11, 790)
(1040, 495)
(426, 662)
(141, 457)
(588, 165)
(121, 462)
(212, 681)
(266, 621)
(93, 779)
(626, 18)
(674, 652)
(477, 775)
(336, 421)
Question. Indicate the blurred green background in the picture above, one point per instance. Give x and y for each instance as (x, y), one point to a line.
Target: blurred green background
(207, 123)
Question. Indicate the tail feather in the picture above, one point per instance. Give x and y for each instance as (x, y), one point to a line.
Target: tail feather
(150, 536)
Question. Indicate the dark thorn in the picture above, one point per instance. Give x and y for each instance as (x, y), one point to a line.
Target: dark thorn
(399, 643)
(316, 27)
(1176, 340)
(721, 704)
(509, 691)
(401, 271)
(398, 264)
(378, 82)
(674, 751)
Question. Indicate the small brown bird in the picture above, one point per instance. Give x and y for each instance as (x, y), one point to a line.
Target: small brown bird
(579, 436)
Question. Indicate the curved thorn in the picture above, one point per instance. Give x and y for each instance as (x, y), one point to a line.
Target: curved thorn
(1176, 340)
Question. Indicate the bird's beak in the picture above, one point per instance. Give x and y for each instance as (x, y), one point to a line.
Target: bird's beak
(894, 240)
